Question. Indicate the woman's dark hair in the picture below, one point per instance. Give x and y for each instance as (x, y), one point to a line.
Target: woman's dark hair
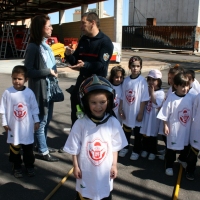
(92, 16)
(181, 79)
(159, 81)
(191, 72)
(114, 71)
(20, 69)
(133, 59)
(85, 100)
(36, 29)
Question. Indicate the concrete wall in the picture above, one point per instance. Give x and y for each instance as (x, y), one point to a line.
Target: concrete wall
(72, 29)
(166, 12)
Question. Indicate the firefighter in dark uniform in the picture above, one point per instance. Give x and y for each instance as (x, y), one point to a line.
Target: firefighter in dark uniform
(92, 55)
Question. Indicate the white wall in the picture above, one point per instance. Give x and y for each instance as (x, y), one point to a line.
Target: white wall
(166, 12)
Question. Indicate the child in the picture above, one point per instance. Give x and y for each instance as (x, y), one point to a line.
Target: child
(94, 141)
(172, 72)
(176, 113)
(116, 78)
(194, 84)
(135, 94)
(194, 140)
(150, 124)
(20, 111)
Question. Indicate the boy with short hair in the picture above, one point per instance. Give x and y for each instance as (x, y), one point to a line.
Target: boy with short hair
(20, 111)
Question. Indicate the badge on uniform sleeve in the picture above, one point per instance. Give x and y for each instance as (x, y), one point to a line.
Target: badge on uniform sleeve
(106, 56)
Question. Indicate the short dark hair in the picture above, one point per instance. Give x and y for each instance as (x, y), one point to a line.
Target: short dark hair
(191, 72)
(36, 29)
(176, 69)
(181, 79)
(133, 59)
(20, 69)
(159, 81)
(114, 71)
(92, 16)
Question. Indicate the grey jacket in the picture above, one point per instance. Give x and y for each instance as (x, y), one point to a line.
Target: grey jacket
(37, 73)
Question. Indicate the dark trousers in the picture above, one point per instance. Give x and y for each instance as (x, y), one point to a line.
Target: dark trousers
(28, 156)
(138, 138)
(164, 139)
(192, 159)
(106, 198)
(170, 157)
(149, 144)
(184, 153)
(74, 98)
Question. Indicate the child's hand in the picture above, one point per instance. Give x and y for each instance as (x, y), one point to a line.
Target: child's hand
(36, 126)
(151, 89)
(121, 114)
(7, 128)
(113, 172)
(139, 117)
(77, 173)
(166, 129)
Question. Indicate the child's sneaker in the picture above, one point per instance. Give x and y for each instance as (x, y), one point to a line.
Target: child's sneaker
(17, 173)
(184, 164)
(144, 154)
(151, 156)
(169, 172)
(123, 152)
(134, 156)
(30, 171)
(161, 157)
(189, 176)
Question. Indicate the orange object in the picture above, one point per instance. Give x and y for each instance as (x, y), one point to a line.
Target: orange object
(68, 41)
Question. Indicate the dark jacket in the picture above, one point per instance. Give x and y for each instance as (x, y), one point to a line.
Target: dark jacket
(95, 52)
(37, 73)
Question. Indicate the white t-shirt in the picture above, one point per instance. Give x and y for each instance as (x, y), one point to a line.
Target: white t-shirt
(193, 91)
(19, 111)
(150, 124)
(134, 91)
(195, 127)
(196, 85)
(94, 146)
(118, 92)
(177, 111)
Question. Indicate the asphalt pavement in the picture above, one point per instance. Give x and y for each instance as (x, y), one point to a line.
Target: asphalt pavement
(141, 179)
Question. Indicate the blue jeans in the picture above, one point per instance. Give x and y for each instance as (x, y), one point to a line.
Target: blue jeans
(41, 133)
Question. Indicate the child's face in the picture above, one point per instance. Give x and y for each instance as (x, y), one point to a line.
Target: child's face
(18, 81)
(153, 82)
(135, 68)
(191, 80)
(171, 79)
(98, 104)
(181, 90)
(118, 78)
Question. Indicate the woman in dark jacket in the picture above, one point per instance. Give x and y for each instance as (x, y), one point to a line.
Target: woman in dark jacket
(41, 66)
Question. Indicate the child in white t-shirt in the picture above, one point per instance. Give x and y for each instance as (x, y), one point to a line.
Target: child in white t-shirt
(172, 72)
(20, 111)
(94, 140)
(135, 94)
(176, 113)
(150, 124)
(116, 78)
(194, 140)
(194, 84)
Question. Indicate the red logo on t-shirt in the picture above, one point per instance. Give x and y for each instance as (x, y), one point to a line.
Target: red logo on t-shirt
(130, 96)
(20, 111)
(149, 106)
(184, 116)
(97, 151)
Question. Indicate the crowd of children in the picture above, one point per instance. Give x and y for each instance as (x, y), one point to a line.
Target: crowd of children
(118, 107)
